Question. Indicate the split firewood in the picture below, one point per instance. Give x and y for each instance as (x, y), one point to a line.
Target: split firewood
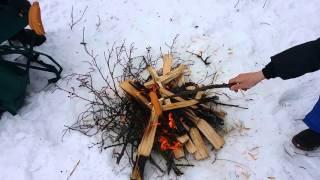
(220, 114)
(199, 95)
(183, 139)
(179, 105)
(180, 81)
(166, 92)
(165, 79)
(191, 88)
(190, 147)
(138, 169)
(146, 144)
(178, 153)
(202, 150)
(127, 87)
(213, 137)
(155, 101)
(167, 63)
(154, 75)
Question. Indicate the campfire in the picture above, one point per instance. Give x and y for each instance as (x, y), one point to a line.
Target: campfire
(179, 120)
(148, 115)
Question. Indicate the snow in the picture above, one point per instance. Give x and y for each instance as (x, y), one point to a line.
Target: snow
(239, 35)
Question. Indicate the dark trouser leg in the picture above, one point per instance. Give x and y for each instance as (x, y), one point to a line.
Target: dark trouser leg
(312, 119)
(309, 139)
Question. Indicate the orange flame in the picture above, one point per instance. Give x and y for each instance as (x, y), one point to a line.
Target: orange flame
(165, 145)
(172, 124)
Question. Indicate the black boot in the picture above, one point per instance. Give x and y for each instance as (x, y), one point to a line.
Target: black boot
(306, 140)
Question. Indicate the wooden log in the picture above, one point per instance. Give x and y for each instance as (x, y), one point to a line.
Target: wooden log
(199, 95)
(167, 63)
(155, 102)
(179, 105)
(190, 147)
(180, 80)
(132, 91)
(165, 79)
(202, 151)
(191, 88)
(153, 74)
(138, 169)
(166, 92)
(183, 139)
(178, 153)
(147, 141)
(213, 137)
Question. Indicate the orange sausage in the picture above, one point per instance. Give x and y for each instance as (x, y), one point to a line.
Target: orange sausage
(35, 21)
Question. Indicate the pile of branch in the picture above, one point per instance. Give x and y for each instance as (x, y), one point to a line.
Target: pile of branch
(144, 119)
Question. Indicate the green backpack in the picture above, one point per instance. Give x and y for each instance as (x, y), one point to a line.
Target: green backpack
(14, 76)
(14, 82)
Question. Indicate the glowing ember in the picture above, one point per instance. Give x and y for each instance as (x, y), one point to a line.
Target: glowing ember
(172, 124)
(165, 145)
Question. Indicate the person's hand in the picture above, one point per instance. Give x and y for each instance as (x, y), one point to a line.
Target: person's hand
(246, 81)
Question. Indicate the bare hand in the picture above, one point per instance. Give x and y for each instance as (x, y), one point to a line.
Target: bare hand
(246, 81)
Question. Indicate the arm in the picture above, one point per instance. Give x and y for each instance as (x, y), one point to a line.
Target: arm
(291, 63)
(295, 61)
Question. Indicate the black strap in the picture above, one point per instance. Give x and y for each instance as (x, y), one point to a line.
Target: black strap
(32, 58)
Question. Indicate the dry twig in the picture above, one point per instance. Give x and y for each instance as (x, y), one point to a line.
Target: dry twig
(75, 22)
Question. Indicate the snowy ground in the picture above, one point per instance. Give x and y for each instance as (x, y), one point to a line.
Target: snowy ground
(240, 36)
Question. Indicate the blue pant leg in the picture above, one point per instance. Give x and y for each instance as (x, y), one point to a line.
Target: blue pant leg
(312, 119)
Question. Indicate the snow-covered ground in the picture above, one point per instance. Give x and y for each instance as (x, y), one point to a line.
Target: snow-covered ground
(239, 35)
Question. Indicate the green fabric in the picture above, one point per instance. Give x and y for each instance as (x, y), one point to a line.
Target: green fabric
(10, 22)
(13, 84)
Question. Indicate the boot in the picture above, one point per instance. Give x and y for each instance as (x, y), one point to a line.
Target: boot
(306, 140)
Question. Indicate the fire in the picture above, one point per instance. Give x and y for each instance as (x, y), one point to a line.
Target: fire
(172, 124)
(165, 145)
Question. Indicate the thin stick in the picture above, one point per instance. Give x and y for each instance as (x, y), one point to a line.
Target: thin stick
(73, 23)
(75, 167)
(235, 6)
(204, 88)
(265, 3)
(231, 105)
